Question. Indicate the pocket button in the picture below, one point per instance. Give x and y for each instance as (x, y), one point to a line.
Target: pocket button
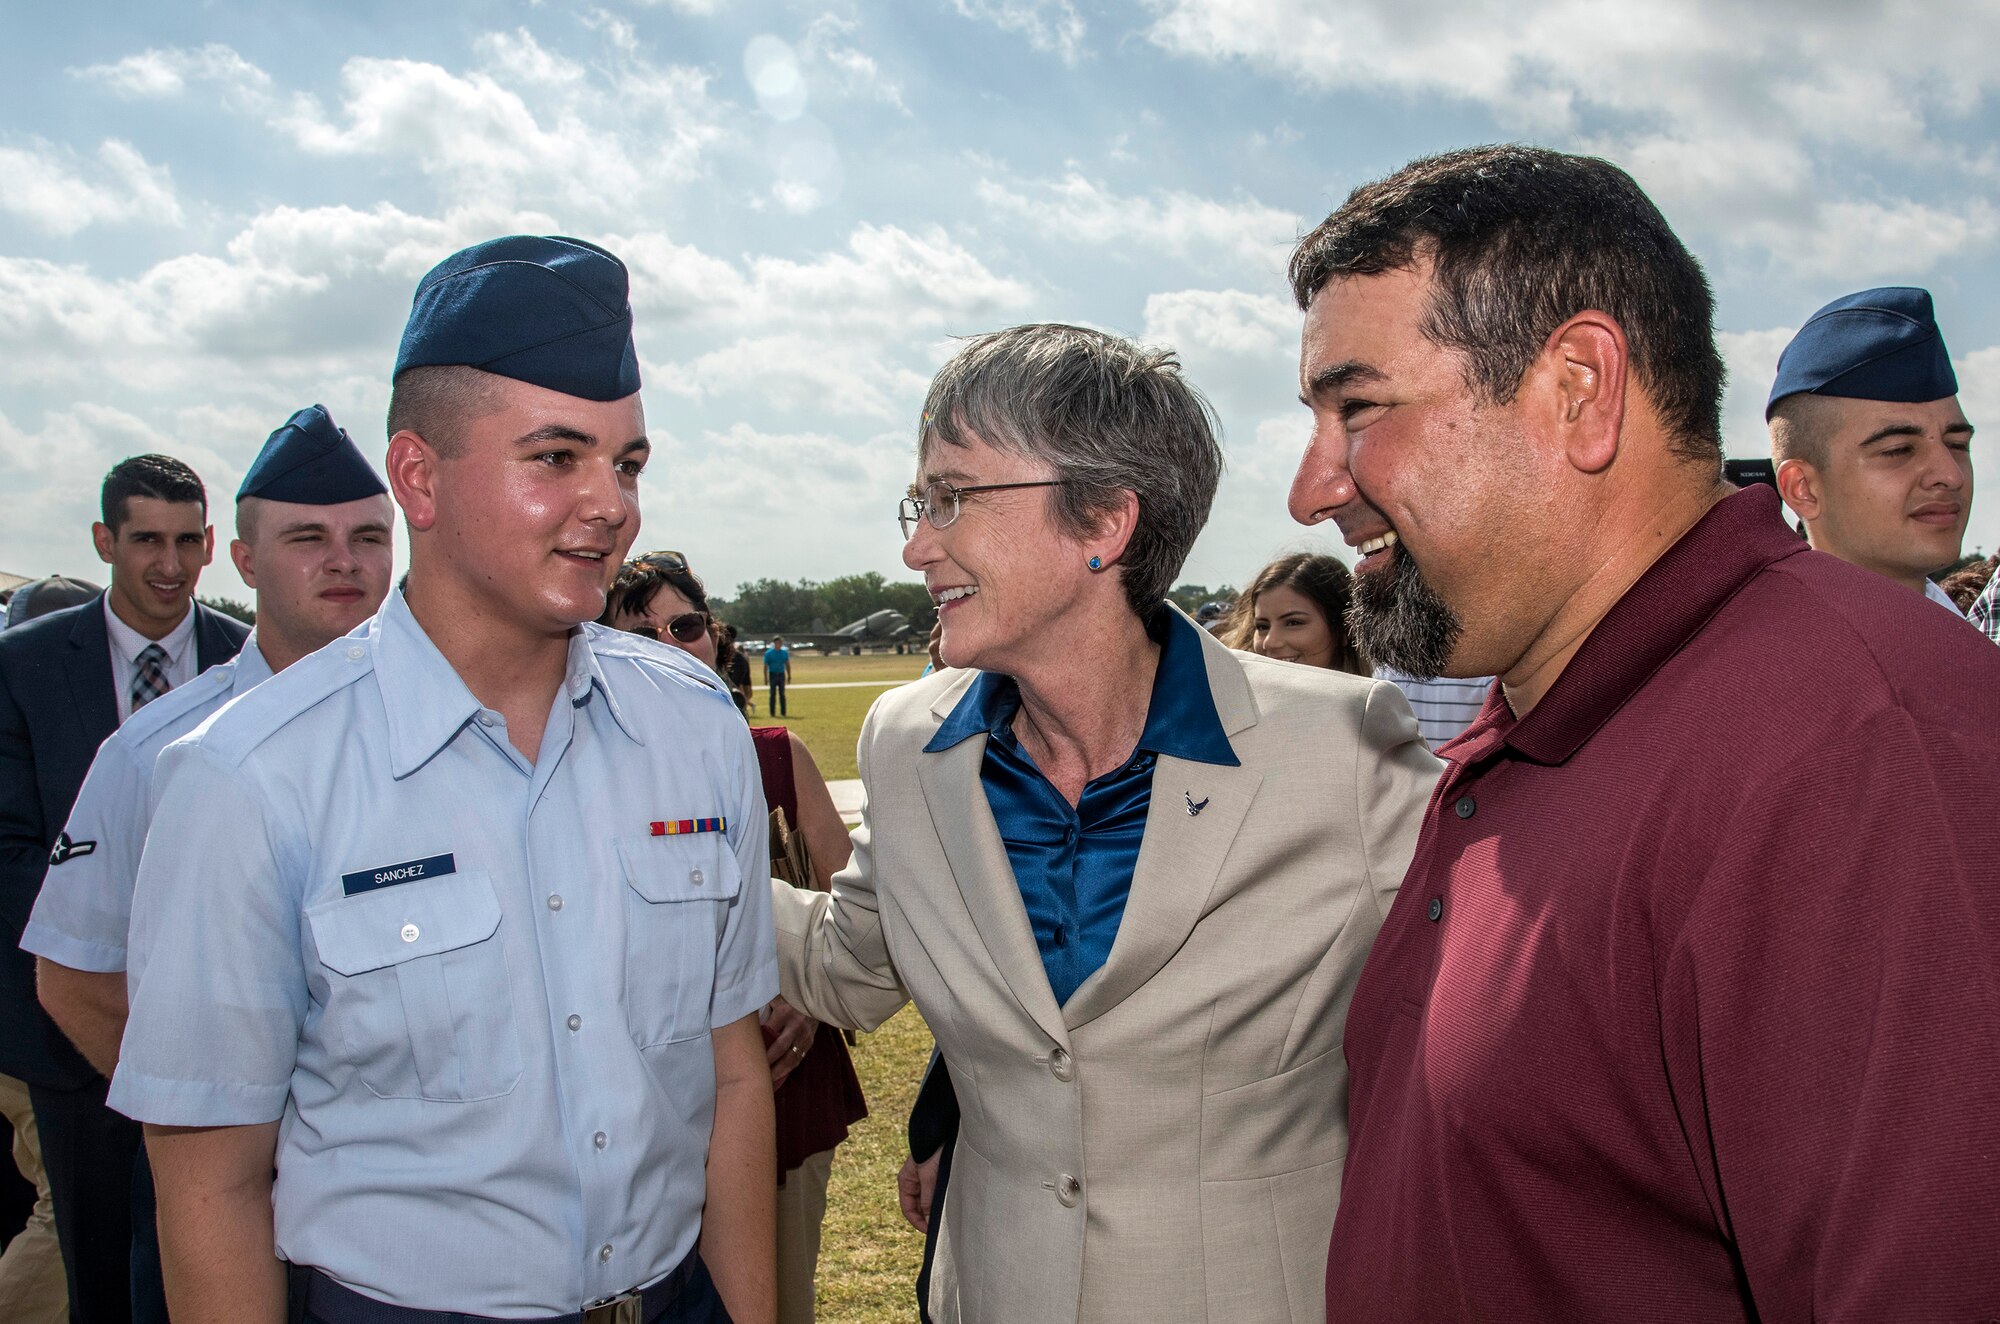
(694, 876)
(411, 933)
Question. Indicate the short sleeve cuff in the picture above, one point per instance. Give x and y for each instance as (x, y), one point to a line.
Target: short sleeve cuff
(164, 1102)
(745, 996)
(46, 940)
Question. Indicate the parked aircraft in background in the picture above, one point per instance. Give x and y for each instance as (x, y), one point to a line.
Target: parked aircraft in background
(887, 628)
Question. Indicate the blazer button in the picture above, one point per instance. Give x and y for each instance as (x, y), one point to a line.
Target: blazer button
(1062, 1066)
(1068, 1190)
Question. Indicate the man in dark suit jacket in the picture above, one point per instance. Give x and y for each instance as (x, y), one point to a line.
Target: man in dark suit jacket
(66, 682)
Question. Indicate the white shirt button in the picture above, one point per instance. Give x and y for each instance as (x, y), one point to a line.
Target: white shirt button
(600, 1140)
(694, 877)
(487, 719)
(410, 933)
(355, 653)
(604, 1254)
(555, 901)
(575, 1021)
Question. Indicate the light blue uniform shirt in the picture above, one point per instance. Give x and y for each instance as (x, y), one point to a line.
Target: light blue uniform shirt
(477, 991)
(85, 905)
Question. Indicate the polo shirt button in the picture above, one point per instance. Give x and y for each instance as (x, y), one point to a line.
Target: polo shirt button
(1437, 909)
(1466, 806)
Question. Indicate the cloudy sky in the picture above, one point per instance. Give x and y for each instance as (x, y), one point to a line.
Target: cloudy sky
(213, 214)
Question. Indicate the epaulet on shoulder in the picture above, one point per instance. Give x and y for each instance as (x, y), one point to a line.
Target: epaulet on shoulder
(261, 712)
(654, 657)
(210, 689)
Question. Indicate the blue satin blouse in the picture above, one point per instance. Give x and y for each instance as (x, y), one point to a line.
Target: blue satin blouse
(1074, 865)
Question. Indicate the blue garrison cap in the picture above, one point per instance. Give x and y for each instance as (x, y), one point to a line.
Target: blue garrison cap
(552, 312)
(1876, 345)
(310, 462)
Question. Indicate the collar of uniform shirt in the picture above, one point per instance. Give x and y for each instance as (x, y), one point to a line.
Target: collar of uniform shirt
(427, 703)
(1739, 536)
(1181, 720)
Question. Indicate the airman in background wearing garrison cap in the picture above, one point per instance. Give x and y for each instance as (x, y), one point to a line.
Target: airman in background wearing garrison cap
(313, 541)
(1873, 451)
(455, 932)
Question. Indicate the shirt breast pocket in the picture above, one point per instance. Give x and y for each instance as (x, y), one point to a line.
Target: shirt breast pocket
(677, 897)
(420, 998)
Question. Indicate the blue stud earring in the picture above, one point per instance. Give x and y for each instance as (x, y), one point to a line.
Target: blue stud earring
(1096, 564)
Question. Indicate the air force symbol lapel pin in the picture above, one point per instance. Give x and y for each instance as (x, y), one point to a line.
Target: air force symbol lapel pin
(1195, 806)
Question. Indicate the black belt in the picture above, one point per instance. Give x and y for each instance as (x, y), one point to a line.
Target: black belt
(313, 1293)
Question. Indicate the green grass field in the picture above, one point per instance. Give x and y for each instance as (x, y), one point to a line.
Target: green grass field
(869, 1256)
(829, 721)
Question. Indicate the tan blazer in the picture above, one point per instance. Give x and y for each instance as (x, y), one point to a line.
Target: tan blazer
(1167, 1145)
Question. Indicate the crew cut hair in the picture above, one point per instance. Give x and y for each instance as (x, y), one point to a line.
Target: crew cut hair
(1106, 416)
(161, 477)
(435, 401)
(1520, 240)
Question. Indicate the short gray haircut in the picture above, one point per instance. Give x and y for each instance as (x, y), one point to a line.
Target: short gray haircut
(1108, 417)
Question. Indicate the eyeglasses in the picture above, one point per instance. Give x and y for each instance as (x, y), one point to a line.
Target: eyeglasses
(938, 502)
(686, 627)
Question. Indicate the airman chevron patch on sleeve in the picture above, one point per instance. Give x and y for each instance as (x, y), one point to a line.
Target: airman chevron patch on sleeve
(69, 850)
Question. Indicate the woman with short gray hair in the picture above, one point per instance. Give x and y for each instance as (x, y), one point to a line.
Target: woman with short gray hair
(1128, 876)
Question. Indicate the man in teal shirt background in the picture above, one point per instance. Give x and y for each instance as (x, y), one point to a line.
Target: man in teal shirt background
(777, 670)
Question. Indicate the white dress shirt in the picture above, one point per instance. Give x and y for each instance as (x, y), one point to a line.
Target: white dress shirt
(182, 664)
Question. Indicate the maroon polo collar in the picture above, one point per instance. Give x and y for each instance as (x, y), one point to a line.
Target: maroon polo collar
(1739, 536)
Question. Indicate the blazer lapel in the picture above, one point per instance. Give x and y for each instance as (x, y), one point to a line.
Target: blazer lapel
(1182, 854)
(1179, 862)
(985, 878)
(213, 642)
(91, 692)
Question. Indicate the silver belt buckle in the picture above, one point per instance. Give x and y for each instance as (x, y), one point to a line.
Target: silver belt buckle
(625, 1308)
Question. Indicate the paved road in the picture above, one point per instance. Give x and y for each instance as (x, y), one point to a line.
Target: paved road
(849, 685)
(847, 797)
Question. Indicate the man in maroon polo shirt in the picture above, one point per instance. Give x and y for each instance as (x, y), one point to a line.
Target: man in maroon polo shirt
(1689, 1007)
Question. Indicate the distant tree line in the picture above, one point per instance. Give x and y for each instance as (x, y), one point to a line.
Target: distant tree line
(773, 606)
(242, 611)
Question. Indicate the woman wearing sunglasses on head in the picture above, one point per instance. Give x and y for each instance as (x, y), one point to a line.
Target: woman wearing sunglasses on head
(818, 1095)
(1128, 876)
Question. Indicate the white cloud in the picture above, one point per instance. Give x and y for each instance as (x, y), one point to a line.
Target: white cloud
(1224, 321)
(837, 488)
(167, 73)
(526, 127)
(57, 192)
(1730, 113)
(1752, 360)
(1979, 395)
(1242, 233)
(843, 67)
(1053, 26)
(312, 287)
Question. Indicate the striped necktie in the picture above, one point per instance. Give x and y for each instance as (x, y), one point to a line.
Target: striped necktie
(149, 681)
